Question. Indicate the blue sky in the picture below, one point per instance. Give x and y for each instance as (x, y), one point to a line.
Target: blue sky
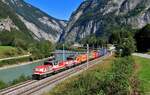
(60, 9)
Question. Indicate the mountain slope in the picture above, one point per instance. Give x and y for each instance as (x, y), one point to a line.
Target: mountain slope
(14, 33)
(99, 16)
(39, 23)
(11, 27)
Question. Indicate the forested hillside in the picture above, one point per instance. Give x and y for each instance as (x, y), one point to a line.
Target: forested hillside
(13, 32)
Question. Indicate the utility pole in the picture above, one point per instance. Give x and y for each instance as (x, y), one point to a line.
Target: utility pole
(87, 55)
(63, 53)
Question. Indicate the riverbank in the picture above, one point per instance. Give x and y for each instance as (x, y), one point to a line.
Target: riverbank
(22, 64)
(17, 57)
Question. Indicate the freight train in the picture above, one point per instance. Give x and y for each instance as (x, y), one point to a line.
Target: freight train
(51, 67)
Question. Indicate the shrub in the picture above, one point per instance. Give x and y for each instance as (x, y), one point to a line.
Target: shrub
(2, 85)
(125, 43)
(20, 79)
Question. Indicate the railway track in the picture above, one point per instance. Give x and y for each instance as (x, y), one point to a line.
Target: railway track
(17, 86)
(33, 86)
(45, 84)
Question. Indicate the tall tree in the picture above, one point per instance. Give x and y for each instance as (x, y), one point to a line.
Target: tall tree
(125, 43)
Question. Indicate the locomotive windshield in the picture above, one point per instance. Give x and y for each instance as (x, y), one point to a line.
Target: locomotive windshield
(48, 63)
(69, 58)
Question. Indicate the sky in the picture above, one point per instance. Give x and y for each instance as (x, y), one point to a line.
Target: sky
(60, 9)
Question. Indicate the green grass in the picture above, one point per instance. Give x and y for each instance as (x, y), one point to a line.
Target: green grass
(8, 51)
(144, 72)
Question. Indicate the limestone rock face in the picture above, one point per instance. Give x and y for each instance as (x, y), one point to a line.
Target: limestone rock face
(7, 24)
(96, 16)
(39, 23)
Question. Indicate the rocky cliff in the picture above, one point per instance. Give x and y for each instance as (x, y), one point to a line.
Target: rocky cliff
(39, 23)
(99, 16)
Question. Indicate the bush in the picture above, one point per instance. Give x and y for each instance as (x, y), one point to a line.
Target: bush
(124, 41)
(20, 79)
(2, 85)
(41, 49)
(94, 41)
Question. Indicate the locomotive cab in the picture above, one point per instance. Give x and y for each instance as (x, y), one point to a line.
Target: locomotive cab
(70, 62)
(42, 71)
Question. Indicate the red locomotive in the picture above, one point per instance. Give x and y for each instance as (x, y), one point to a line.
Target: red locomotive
(50, 67)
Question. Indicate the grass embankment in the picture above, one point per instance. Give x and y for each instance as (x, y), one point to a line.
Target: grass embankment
(144, 73)
(111, 77)
(79, 84)
(8, 51)
(14, 61)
